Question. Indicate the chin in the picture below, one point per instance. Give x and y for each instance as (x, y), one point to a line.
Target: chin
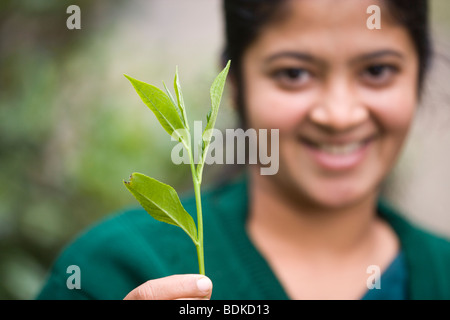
(335, 194)
(339, 200)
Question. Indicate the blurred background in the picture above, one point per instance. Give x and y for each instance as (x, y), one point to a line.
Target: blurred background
(72, 127)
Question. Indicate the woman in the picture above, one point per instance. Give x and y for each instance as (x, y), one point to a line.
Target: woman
(343, 97)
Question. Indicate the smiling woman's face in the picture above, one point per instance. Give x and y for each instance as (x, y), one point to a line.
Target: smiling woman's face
(342, 96)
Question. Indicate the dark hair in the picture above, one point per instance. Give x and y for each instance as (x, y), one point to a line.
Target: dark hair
(245, 18)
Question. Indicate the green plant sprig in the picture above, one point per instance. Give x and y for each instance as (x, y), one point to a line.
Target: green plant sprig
(160, 200)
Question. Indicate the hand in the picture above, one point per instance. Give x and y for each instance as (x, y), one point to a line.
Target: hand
(183, 286)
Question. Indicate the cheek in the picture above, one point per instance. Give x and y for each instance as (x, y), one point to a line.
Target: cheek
(393, 109)
(272, 108)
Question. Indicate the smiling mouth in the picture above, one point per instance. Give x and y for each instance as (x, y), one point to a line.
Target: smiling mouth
(337, 148)
(338, 155)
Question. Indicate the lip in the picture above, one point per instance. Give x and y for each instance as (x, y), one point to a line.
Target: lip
(336, 161)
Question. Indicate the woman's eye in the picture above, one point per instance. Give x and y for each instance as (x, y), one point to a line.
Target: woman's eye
(292, 78)
(379, 74)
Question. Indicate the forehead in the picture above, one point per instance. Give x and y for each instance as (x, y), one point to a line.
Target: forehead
(331, 13)
(332, 26)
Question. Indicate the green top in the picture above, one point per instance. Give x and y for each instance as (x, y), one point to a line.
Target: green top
(130, 248)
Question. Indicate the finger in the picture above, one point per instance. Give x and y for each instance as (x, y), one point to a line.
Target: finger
(173, 287)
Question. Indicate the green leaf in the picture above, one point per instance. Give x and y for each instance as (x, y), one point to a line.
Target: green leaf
(171, 98)
(216, 92)
(181, 107)
(161, 202)
(161, 105)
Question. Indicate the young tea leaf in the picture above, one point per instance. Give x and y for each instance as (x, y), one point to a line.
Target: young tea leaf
(161, 105)
(172, 99)
(161, 202)
(216, 92)
(181, 107)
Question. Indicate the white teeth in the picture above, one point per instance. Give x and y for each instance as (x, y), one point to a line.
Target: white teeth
(340, 149)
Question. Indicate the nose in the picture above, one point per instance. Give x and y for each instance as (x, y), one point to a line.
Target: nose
(339, 108)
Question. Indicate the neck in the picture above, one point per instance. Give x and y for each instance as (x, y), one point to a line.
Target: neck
(310, 228)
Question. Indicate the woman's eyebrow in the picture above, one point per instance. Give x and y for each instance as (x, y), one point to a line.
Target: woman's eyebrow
(377, 54)
(298, 55)
(310, 58)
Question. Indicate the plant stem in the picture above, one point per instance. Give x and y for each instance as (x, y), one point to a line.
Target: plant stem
(198, 202)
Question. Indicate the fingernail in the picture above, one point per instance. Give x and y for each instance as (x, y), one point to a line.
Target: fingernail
(204, 284)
